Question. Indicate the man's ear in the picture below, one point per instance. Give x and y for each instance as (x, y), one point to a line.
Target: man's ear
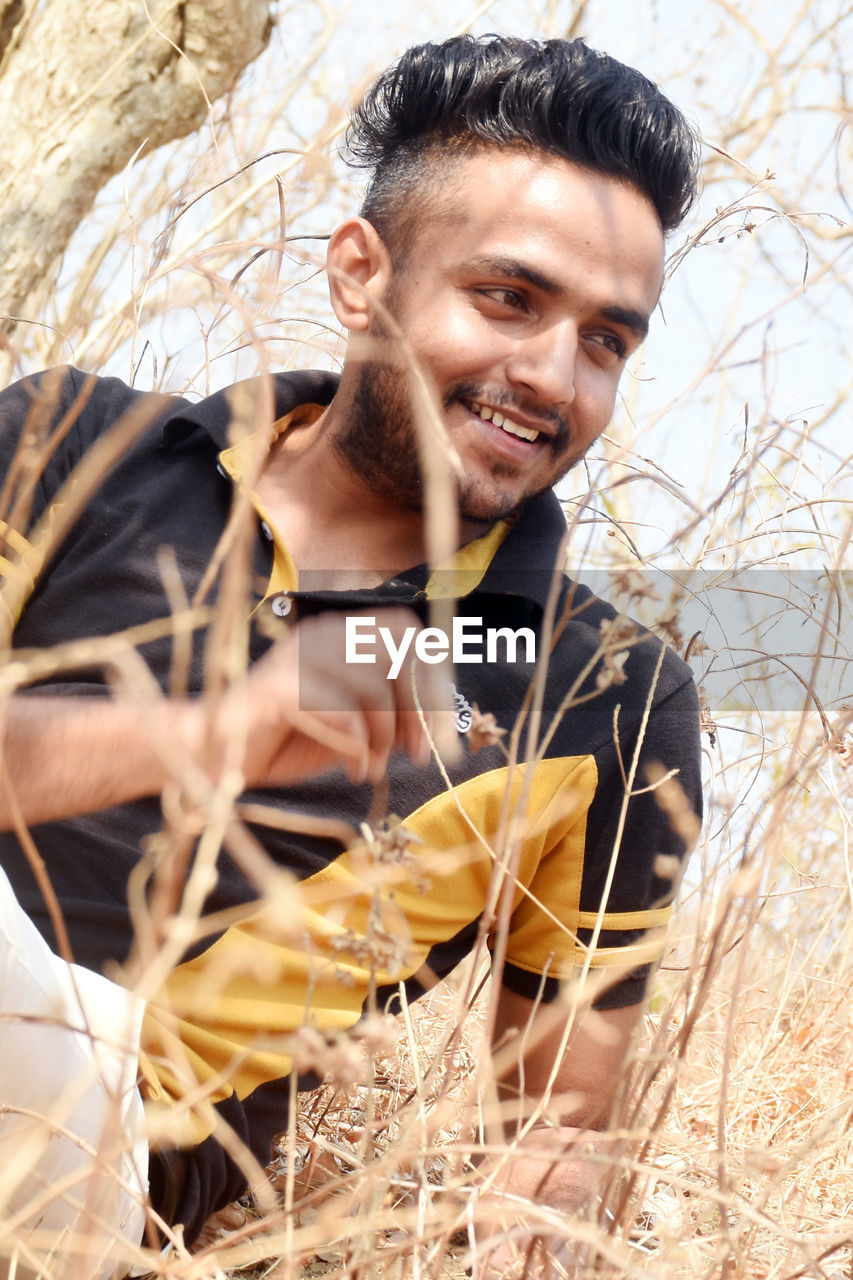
(359, 269)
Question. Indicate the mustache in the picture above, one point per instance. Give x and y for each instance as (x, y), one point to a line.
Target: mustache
(507, 402)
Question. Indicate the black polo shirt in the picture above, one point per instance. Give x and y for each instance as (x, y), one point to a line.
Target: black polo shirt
(96, 549)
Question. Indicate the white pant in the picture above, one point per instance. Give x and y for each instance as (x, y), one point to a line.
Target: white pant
(73, 1155)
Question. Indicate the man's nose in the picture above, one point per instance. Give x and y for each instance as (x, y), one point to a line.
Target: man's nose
(544, 363)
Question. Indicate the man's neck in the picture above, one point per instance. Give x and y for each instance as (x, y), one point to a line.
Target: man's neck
(329, 518)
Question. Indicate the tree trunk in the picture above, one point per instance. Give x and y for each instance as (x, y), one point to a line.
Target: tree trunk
(83, 83)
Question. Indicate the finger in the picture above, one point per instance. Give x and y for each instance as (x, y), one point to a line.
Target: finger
(381, 729)
(432, 726)
(318, 741)
(412, 737)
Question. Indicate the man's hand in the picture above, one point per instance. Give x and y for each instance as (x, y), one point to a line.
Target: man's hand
(529, 1214)
(557, 1163)
(305, 709)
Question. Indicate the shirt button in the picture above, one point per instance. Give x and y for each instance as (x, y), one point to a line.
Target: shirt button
(266, 531)
(281, 605)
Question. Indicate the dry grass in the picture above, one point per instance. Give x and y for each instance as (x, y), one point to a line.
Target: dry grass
(728, 461)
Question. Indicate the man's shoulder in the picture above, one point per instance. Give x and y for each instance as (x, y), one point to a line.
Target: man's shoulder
(587, 629)
(597, 624)
(93, 402)
(625, 659)
(76, 405)
(63, 387)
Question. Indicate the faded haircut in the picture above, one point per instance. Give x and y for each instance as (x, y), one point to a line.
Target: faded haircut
(440, 102)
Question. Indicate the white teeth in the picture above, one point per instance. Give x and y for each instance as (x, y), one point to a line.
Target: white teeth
(523, 433)
(506, 424)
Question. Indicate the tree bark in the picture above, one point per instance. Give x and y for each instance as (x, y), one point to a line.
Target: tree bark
(83, 83)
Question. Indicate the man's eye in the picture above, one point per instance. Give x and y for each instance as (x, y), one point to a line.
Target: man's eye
(506, 297)
(611, 342)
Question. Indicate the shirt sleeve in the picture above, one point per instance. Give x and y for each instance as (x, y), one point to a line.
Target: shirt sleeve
(602, 894)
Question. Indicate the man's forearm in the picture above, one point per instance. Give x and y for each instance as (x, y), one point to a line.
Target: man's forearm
(61, 757)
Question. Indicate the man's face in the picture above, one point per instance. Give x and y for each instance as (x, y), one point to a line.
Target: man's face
(521, 300)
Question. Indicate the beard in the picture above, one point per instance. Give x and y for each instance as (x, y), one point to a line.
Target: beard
(380, 443)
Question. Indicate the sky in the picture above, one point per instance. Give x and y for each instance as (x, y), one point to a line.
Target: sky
(747, 363)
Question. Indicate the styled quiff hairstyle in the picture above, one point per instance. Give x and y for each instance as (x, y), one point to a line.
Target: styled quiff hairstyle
(440, 102)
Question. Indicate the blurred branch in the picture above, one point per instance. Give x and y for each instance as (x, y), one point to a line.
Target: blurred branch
(87, 85)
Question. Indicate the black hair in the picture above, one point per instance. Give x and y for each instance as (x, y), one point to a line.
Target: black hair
(557, 96)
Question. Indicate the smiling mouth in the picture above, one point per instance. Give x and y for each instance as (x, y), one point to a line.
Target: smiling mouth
(501, 420)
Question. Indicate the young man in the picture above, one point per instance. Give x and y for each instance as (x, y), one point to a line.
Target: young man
(505, 265)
